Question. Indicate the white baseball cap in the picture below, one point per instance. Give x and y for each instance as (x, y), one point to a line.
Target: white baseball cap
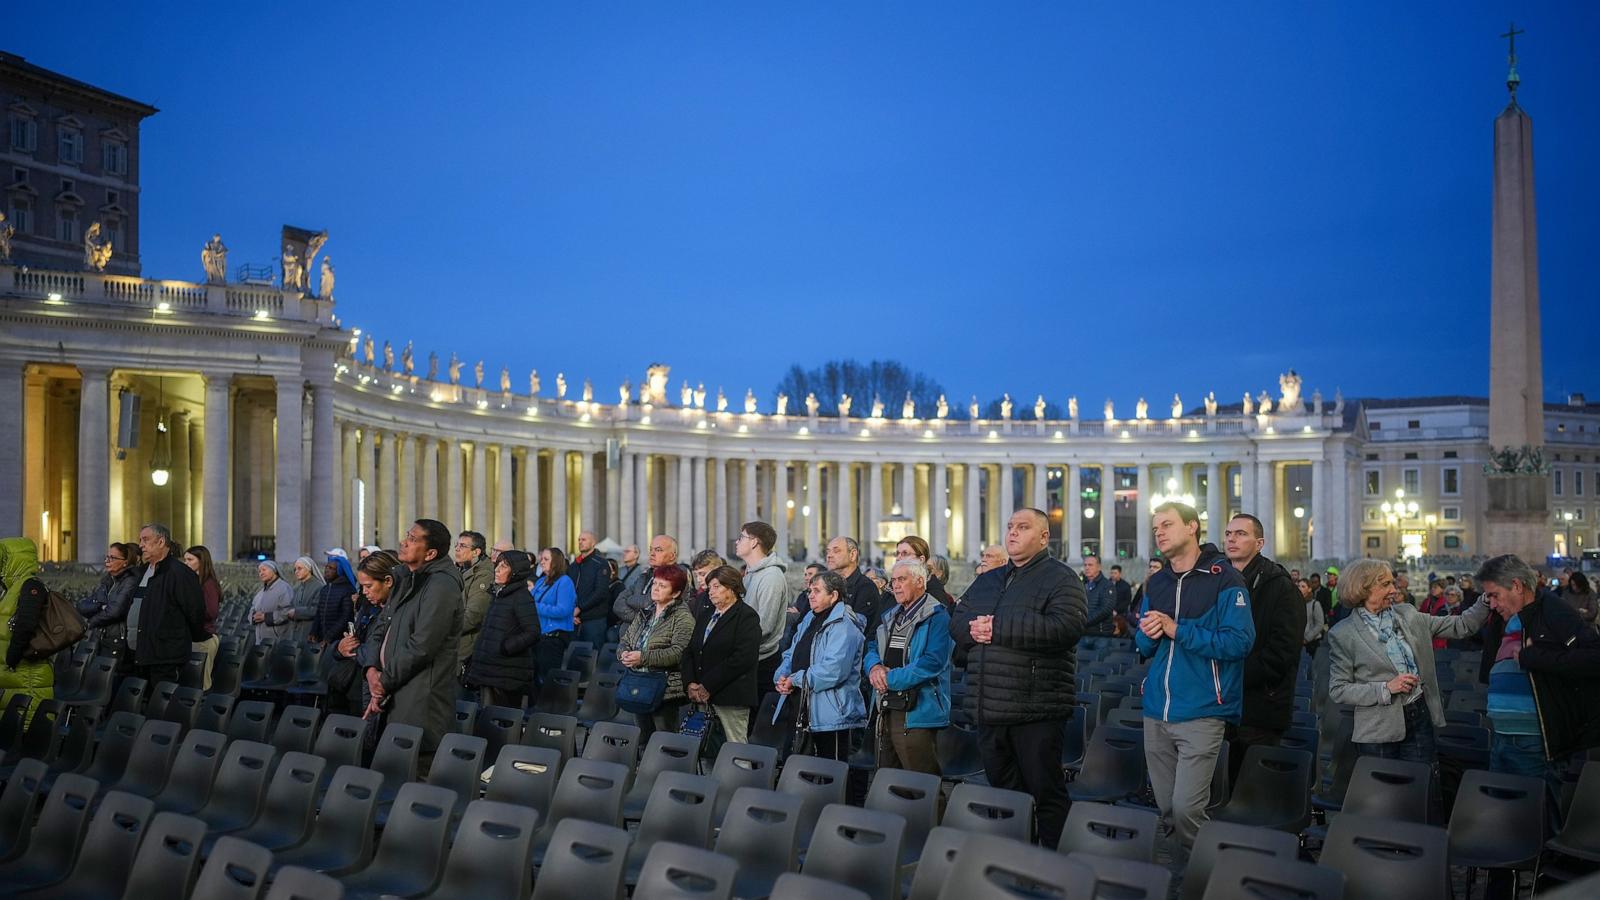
(337, 552)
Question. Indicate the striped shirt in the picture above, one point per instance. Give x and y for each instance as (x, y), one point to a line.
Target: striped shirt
(1510, 703)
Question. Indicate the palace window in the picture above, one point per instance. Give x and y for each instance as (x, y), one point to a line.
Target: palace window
(1411, 480)
(114, 157)
(22, 215)
(1374, 542)
(1374, 483)
(1555, 481)
(69, 146)
(1449, 454)
(1577, 483)
(1451, 513)
(1450, 480)
(24, 134)
(67, 226)
(1452, 542)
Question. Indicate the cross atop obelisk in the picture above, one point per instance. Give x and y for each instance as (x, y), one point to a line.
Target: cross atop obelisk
(1511, 77)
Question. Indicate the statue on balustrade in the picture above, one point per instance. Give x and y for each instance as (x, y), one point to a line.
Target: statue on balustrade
(686, 396)
(845, 400)
(972, 408)
(433, 365)
(942, 408)
(1249, 404)
(1038, 408)
(388, 357)
(561, 385)
(96, 248)
(624, 392)
(700, 395)
(908, 409)
(325, 288)
(1072, 408)
(1264, 403)
(366, 347)
(214, 258)
(1289, 402)
(477, 372)
(1111, 410)
(533, 383)
(455, 368)
(812, 405)
(749, 401)
(783, 404)
(1338, 402)
(588, 391)
(722, 400)
(1211, 403)
(293, 272)
(1005, 407)
(407, 362)
(877, 406)
(505, 379)
(6, 232)
(1141, 409)
(1177, 407)
(1316, 401)
(655, 377)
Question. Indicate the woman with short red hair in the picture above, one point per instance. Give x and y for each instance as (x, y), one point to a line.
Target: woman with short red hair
(655, 641)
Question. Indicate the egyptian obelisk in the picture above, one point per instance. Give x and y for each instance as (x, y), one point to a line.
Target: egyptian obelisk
(1518, 512)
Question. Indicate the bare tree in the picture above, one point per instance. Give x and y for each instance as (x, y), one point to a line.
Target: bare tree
(885, 379)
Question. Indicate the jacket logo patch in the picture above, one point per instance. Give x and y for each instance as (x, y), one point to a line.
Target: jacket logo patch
(1216, 569)
(1240, 601)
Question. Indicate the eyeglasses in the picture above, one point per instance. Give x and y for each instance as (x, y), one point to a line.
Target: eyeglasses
(116, 559)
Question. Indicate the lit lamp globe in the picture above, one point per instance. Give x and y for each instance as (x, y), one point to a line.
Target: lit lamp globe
(159, 477)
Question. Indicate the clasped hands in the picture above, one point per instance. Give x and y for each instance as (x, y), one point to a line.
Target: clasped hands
(1157, 625)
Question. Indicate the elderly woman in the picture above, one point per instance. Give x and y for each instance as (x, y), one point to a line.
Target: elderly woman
(308, 585)
(502, 662)
(270, 607)
(1381, 659)
(655, 641)
(106, 607)
(908, 663)
(823, 665)
(719, 665)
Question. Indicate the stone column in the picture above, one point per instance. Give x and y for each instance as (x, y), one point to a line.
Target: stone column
(388, 521)
(1141, 512)
(289, 521)
(1041, 487)
(747, 485)
(406, 492)
(324, 469)
(874, 510)
(683, 529)
(721, 530)
(780, 505)
(843, 511)
(1247, 486)
(939, 503)
(480, 521)
(1072, 517)
(11, 449)
(93, 525)
(215, 516)
(1216, 506)
(366, 460)
(528, 536)
(814, 503)
(502, 499)
(1008, 494)
(1108, 510)
(347, 480)
(429, 506)
(455, 505)
(972, 511)
(1267, 503)
(1336, 544)
(702, 515)
(178, 442)
(611, 513)
(560, 529)
(626, 501)
(641, 500)
(587, 520)
(669, 500)
(1321, 516)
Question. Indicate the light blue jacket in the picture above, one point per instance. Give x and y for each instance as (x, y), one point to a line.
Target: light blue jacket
(555, 604)
(834, 676)
(927, 667)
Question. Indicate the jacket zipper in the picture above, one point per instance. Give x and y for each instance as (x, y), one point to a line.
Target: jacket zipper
(1166, 677)
(1216, 681)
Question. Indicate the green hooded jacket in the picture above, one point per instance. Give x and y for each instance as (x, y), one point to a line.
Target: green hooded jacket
(19, 561)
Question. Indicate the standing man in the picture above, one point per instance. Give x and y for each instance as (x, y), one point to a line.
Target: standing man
(991, 557)
(477, 589)
(1325, 588)
(166, 612)
(1195, 622)
(843, 556)
(1018, 628)
(630, 570)
(907, 662)
(764, 589)
(1278, 614)
(1122, 600)
(416, 676)
(1099, 595)
(635, 600)
(591, 578)
(499, 547)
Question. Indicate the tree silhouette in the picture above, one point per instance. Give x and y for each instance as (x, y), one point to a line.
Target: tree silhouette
(885, 379)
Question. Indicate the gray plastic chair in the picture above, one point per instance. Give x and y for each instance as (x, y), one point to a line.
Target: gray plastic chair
(675, 871)
(296, 729)
(251, 721)
(759, 831)
(526, 776)
(489, 860)
(559, 733)
(938, 857)
(679, 812)
(21, 796)
(286, 813)
(168, 858)
(742, 765)
(590, 790)
(794, 886)
(817, 782)
(613, 742)
(236, 870)
(499, 726)
(992, 867)
(54, 841)
(410, 859)
(1105, 830)
(913, 796)
(396, 758)
(110, 846)
(1382, 859)
(990, 810)
(1244, 875)
(341, 840)
(457, 765)
(194, 770)
(241, 779)
(585, 860)
(150, 761)
(665, 752)
(858, 847)
(1130, 879)
(295, 883)
(339, 742)
(1273, 790)
(1215, 837)
(215, 710)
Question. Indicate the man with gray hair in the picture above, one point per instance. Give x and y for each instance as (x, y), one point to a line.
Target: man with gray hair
(635, 600)
(908, 664)
(843, 555)
(166, 613)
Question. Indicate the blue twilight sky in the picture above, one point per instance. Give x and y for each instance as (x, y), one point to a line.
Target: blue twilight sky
(1099, 199)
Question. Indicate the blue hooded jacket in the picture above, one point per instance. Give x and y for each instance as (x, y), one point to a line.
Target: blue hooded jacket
(834, 677)
(1200, 673)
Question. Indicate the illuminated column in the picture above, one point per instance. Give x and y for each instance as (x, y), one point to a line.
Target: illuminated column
(874, 505)
(406, 490)
(560, 530)
(780, 505)
(1072, 517)
(455, 514)
(528, 536)
(747, 485)
(641, 499)
(1267, 503)
(1041, 487)
(627, 501)
(683, 524)
(612, 511)
(11, 448)
(347, 486)
(428, 507)
(502, 500)
(1216, 512)
(384, 491)
(938, 503)
(324, 470)
(1141, 512)
(721, 531)
(290, 436)
(1008, 495)
(1108, 511)
(972, 511)
(813, 510)
(701, 523)
(843, 514)
(94, 466)
(480, 489)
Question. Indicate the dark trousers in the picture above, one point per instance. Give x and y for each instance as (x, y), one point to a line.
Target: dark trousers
(548, 652)
(765, 669)
(900, 747)
(1027, 758)
(831, 744)
(154, 675)
(493, 696)
(593, 631)
(1240, 739)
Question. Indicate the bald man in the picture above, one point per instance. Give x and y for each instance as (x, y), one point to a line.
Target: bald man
(663, 552)
(591, 578)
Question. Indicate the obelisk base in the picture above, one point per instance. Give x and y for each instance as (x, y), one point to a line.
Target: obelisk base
(1518, 518)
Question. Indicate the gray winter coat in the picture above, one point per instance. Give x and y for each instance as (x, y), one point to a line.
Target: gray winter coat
(417, 634)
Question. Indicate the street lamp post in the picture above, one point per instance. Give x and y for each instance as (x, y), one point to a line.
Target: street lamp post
(1397, 511)
(1566, 520)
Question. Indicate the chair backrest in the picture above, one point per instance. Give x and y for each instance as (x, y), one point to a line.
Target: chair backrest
(241, 779)
(1243, 875)
(160, 696)
(291, 797)
(679, 810)
(17, 805)
(991, 867)
(817, 782)
(1382, 859)
(97, 678)
(526, 776)
(297, 726)
(1075, 737)
(168, 858)
(913, 796)
(990, 810)
(1273, 790)
(112, 842)
(1216, 837)
(794, 886)
(1389, 789)
(1113, 763)
(130, 695)
(1107, 830)
(743, 765)
(674, 871)
(613, 742)
(214, 712)
(585, 859)
(557, 732)
(499, 726)
(116, 744)
(339, 740)
(456, 766)
(579, 657)
(759, 831)
(858, 847)
(183, 706)
(344, 825)
(43, 735)
(559, 692)
(1582, 825)
(235, 870)
(150, 760)
(590, 789)
(489, 858)
(410, 858)
(396, 756)
(599, 699)
(466, 717)
(251, 721)
(938, 856)
(299, 883)
(194, 769)
(1130, 879)
(1498, 814)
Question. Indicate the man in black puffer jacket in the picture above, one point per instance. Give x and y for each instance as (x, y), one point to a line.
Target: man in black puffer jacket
(1018, 628)
(1270, 671)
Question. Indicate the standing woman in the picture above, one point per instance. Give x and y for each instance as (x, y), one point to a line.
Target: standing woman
(821, 671)
(375, 575)
(198, 559)
(555, 598)
(501, 665)
(913, 547)
(271, 604)
(106, 608)
(336, 602)
(654, 642)
(719, 665)
(308, 584)
(1381, 663)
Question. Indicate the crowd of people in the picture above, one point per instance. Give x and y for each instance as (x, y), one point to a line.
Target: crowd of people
(864, 660)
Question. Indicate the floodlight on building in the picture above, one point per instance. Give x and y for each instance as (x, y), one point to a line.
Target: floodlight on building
(53, 299)
(1299, 512)
(1088, 512)
(261, 315)
(163, 307)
